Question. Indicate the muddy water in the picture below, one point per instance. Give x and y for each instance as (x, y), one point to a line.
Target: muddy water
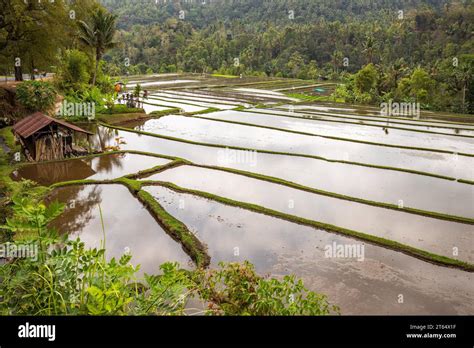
(437, 236)
(99, 168)
(278, 247)
(202, 130)
(128, 225)
(378, 134)
(416, 191)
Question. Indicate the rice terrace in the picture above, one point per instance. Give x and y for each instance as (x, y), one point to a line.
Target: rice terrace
(244, 168)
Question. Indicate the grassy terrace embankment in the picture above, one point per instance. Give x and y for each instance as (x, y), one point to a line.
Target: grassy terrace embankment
(175, 228)
(177, 161)
(196, 249)
(274, 180)
(390, 244)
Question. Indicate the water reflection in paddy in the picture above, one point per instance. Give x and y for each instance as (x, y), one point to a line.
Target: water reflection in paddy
(108, 166)
(201, 97)
(157, 98)
(173, 104)
(150, 108)
(437, 236)
(349, 115)
(278, 247)
(128, 225)
(417, 191)
(377, 134)
(202, 130)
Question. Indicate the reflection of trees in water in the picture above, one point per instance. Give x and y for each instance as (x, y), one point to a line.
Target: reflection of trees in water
(109, 162)
(50, 173)
(105, 136)
(102, 137)
(78, 211)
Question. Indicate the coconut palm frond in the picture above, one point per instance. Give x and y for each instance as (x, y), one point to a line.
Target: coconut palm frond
(98, 34)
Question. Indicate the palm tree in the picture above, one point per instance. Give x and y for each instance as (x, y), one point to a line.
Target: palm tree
(368, 46)
(98, 34)
(336, 59)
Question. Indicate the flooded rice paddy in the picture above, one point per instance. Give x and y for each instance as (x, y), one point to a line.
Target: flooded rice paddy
(278, 248)
(212, 132)
(366, 284)
(149, 245)
(375, 184)
(433, 235)
(373, 133)
(157, 98)
(103, 167)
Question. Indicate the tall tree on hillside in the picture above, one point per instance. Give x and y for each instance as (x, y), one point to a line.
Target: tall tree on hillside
(98, 34)
(25, 33)
(368, 46)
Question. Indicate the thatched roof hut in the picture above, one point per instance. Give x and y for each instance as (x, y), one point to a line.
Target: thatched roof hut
(45, 138)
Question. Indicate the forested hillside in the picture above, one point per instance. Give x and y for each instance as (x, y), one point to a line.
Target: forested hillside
(307, 39)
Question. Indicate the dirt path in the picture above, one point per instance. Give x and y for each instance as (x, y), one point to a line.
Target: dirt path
(4, 146)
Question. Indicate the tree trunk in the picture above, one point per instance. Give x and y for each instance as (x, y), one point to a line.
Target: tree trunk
(97, 60)
(464, 87)
(18, 73)
(32, 73)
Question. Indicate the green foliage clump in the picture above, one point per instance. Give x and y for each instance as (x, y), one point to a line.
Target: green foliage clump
(137, 90)
(120, 109)
(235, 289)
(74, 73)
(418, 87)
(36, 95)
(65, 278)
(366, 79)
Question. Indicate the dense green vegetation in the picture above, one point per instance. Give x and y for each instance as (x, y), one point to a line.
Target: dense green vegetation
(83, 31)
(422, 54)
(408, 51)
(36, 95)
(63, 277)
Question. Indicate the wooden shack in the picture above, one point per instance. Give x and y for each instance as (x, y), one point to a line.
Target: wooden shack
(45, 138)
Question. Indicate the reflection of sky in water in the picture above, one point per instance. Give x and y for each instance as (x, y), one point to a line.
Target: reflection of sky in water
(169, 104)
(437, 236)
(355, 131)
(127, 225)
(416, 191)
(279, 247)
(303, 111)
(202, 102)
(199, 98)
(258, 138)
(98, 168)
